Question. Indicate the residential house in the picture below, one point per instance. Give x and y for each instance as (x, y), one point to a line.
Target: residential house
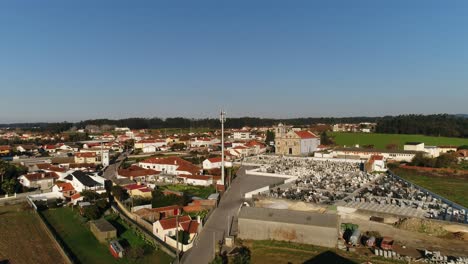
(199, 142)
(150, 145)
(82, 181)
(154, 214)
(138, 174)
(41, 180)
(214, 163)
(85, 157)
(241, 135)
(65, 188)
(167, 227)
(138, 189)
(5, 150)
(171, 165)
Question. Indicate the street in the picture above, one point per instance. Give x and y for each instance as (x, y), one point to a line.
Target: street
(217, 225)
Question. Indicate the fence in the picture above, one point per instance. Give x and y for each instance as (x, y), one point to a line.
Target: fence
(145, 228)
(64, 250)
(443, 199)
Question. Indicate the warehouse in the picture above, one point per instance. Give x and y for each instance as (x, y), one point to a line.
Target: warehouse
(287, 225)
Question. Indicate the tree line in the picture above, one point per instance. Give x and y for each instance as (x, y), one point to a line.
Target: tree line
(430, 125)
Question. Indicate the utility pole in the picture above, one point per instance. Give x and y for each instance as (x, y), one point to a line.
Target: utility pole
(177, 238)
(222, 118)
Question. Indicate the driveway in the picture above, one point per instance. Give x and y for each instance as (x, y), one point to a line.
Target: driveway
(217, 225)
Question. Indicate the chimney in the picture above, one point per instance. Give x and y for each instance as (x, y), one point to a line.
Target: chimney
(198, 219)
(175, 162)
(42, 175)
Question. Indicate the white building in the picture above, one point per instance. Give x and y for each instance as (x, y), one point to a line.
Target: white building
(241, 135)
(214, 163)
(171, 165)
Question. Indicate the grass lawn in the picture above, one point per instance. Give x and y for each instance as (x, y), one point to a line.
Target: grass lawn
(380, 141)
(75, 232)
(199, 191)
(453, 189)
(268, 251)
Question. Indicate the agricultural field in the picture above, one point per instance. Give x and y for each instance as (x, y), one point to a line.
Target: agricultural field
(19, 221)
(451, 188)
(380, 141)
(269, 251)
(85, 248)
(199, 191)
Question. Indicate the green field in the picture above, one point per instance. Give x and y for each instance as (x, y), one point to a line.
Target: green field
(380, 141)
(269, 251)
(453, 189)
(75, 233)
(199, 191)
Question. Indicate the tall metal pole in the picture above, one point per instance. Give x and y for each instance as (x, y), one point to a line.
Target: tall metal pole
(222, 118)
(177, 238)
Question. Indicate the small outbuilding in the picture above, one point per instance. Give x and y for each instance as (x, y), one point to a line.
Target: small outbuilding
(103, 230)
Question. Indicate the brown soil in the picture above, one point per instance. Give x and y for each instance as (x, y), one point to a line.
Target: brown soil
(23, 239)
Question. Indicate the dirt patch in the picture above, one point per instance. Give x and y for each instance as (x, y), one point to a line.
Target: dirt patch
(23, 239)
(422, 226)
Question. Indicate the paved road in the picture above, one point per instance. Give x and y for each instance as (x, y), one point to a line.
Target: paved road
(217, 225)
(111, 171)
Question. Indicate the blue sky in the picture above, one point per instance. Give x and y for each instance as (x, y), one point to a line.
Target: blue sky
(75, 60)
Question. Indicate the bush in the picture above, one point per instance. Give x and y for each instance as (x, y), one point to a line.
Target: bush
(92, 212)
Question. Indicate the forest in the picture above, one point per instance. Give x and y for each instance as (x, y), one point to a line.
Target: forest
(431, 125)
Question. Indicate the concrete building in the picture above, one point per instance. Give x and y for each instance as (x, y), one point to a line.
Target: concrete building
(287, 225)
(414, 146)
(103, 230)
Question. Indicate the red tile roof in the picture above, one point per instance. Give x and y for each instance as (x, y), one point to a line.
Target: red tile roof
(304, 134)
(190, 227)
(134, 186)
(182, 165)
(5, 147)
(85, 154)
(215, 160)
(76, 196)
(135, 171)
(41, 176)
(46, 166)
(170, 223)
(66, 186)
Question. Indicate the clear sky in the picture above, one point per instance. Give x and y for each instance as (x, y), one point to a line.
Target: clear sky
(75, 60)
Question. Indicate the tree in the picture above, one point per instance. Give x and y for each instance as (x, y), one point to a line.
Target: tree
(446, 160)
(243, 257)
(9, 186)
(91, 212)
(90, 196)
(325, 139)
(270, 137)
(119, 193)
(463, 147)
(183, 237)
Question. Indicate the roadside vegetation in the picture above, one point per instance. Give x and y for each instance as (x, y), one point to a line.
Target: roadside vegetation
(198, 191)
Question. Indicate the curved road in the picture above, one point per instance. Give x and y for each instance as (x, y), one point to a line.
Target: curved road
(217, 225)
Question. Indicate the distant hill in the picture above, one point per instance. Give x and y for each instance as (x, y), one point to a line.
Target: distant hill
(462, 115)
